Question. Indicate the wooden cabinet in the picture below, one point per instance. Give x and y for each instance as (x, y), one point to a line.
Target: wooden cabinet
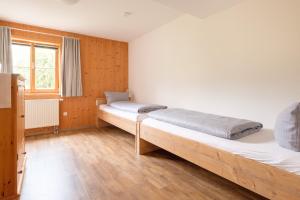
(12, 145)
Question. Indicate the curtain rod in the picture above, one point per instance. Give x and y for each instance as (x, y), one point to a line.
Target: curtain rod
(43, 33)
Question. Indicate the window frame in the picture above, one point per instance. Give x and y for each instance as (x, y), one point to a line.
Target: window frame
(32, 45)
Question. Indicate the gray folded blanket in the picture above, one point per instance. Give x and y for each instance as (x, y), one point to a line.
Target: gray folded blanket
(136, 107)
(220, 126)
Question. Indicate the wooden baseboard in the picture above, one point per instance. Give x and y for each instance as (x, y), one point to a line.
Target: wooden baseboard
(50, 130)
(39, 131)
(77, 129)
(14, 197)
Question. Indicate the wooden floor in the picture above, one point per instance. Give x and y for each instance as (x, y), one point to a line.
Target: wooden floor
(94, 164)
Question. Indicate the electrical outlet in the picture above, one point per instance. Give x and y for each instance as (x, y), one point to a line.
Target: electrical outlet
(65, 114)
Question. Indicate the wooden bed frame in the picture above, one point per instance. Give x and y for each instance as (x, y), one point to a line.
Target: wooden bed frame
(105, 119)
(266, 180)
(263, 179)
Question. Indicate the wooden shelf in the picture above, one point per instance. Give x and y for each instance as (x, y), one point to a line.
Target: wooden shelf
(12, 146)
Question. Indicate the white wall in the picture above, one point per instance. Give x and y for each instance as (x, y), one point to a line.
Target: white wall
(243, 62)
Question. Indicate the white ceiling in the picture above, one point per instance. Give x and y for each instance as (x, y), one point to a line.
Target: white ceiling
(105, 18)
(200, 8)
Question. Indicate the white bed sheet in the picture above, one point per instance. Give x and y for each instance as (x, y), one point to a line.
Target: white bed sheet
(127, 115)
(260, 146)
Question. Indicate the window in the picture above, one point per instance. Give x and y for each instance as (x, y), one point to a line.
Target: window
(21, 62)
(45, 62)
(38, 64)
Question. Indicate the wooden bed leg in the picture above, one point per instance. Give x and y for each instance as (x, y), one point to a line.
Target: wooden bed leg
(142, 146)
(101, 124)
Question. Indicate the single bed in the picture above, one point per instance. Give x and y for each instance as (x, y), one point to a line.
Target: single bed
(255, 162)
(123, 114)
(107, 115)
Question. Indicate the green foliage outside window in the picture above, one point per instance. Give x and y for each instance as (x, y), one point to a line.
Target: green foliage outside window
(44, 68)
(44, 65)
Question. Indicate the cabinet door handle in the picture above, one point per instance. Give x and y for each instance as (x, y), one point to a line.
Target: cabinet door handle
(22, 116)
(20, 172)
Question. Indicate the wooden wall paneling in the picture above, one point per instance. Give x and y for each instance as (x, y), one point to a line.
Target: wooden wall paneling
(104, 67)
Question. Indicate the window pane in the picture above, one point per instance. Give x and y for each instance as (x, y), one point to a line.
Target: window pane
(45, 78)
(21, 62)
(45, 60)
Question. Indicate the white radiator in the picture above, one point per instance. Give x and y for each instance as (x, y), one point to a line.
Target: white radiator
(41, 113)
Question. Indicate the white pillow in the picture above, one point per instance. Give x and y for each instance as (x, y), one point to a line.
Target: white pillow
(287, 128)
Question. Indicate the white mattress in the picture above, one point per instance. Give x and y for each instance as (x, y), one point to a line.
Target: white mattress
(127, 115)
(260, 146)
